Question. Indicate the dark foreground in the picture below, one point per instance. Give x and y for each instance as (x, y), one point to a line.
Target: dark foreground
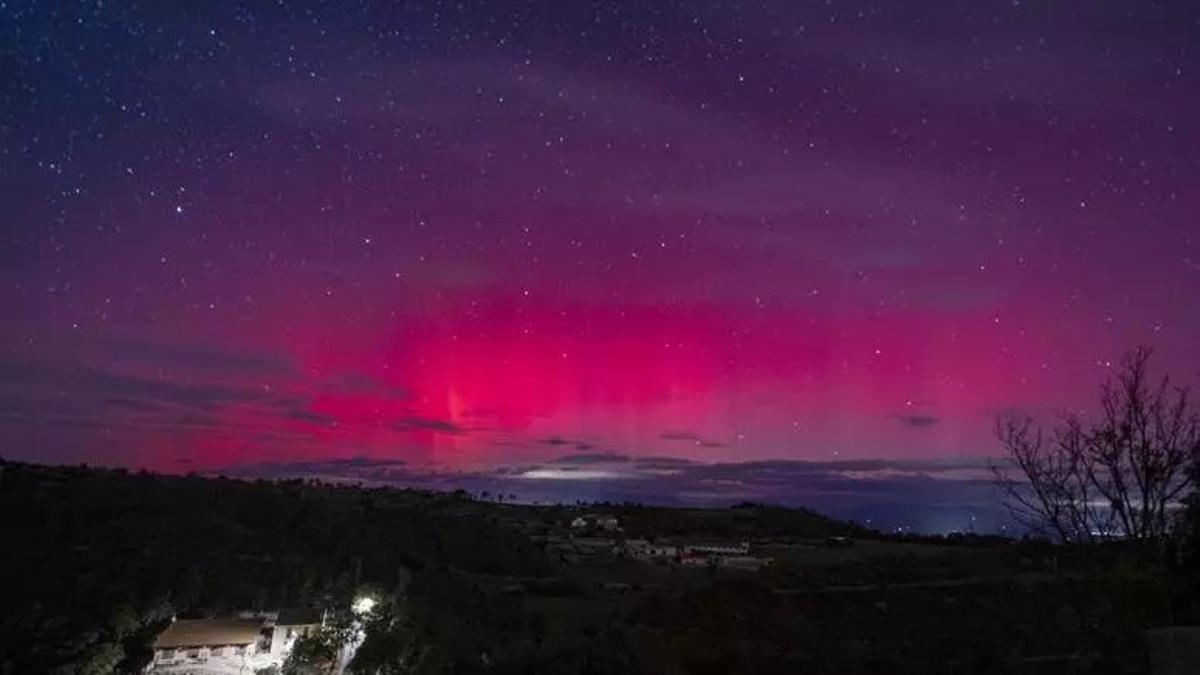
(96, 562)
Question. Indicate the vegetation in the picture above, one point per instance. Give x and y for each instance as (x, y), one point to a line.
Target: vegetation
(743, 522)
(98, 561)
(316, 653)
(1118, 477)
(880, 606)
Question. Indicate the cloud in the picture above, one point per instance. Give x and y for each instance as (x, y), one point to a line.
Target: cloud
(48, 404)
(176, 401)
(418, 423)
(194, 357)
(375, 469)
(555, 441)
(570, 473)
(359, 383)
(305, 415)
(918, 421)
(86, 382)
(934, 494)
(195, 420)
(690, 437)
(594, 458)
(133, 404)
(368, 462)
(663, 462)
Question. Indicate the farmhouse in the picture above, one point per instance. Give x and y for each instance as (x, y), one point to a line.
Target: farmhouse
(594, 521)
(722, 549)
(643, 549)
(206, 645)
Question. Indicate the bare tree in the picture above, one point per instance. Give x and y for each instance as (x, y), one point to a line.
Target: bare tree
(1121, 476)
(1191, 516)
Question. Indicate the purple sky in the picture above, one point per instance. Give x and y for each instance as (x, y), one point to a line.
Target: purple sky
(676, 252)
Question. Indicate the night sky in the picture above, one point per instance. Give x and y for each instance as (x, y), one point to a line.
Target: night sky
(686, 252)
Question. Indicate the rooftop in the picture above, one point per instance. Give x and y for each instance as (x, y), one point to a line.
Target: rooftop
(209, 633)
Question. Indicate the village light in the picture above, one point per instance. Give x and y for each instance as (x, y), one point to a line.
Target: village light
(363, 605)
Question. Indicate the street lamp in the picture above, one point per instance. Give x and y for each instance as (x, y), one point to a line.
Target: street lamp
(363, 605)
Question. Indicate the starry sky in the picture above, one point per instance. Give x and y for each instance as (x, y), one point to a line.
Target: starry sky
(683, 252)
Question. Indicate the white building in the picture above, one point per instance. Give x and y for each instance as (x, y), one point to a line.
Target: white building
(207, 646)
(643, 549)
(228, 646)
(596, 522)
(739, 549)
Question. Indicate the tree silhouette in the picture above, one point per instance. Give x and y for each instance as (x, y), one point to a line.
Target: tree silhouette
(1121, 476)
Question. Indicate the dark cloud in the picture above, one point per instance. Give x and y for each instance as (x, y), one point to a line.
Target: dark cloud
(593, 458)
(376, 469)
(363, 462)
(555, 441)
(45, 401)
(360, 383)
(87, 383)
(160, 390)
(920, 494)
(418, 423)
(663, 462)
(133, 404)
(679, 436)
(305, 415)
(690, 437)
(195, 357)
(918, 421)
(194, 420)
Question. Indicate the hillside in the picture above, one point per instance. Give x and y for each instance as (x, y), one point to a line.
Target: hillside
(97, 562)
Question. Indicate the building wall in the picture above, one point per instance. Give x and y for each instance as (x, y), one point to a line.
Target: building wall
(200, 654)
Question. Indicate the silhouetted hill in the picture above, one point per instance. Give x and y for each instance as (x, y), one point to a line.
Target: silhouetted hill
(96, 559)
(96, 562)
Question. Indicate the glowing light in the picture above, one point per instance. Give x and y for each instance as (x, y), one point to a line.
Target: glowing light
(562, 474)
